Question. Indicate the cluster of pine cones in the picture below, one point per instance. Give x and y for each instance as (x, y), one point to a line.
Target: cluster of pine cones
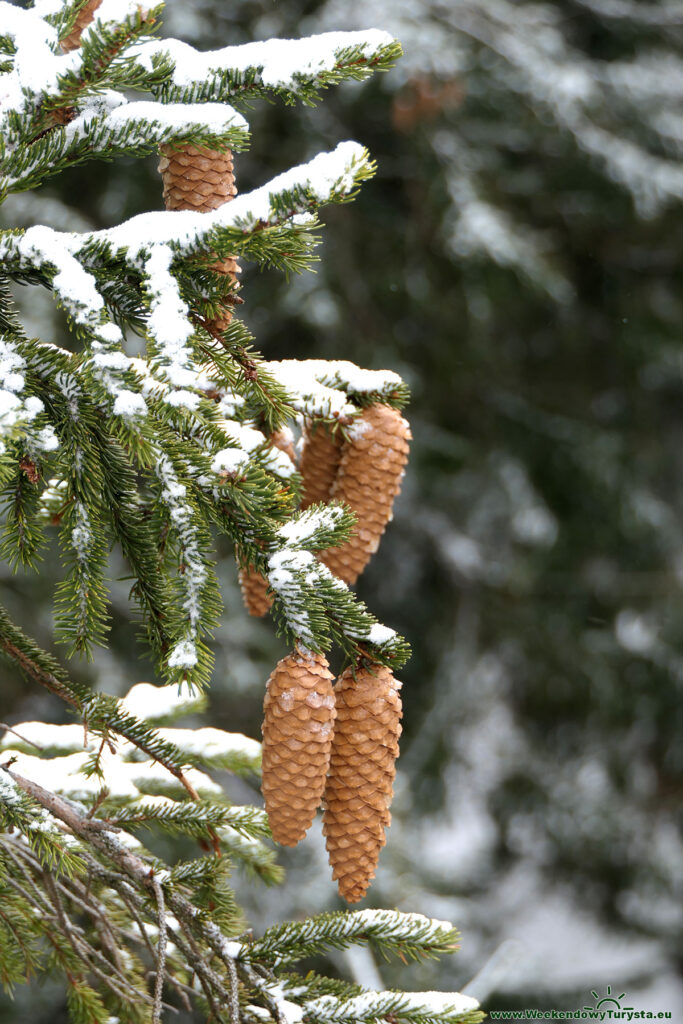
(363, 471)
(338, 744)
(320, 742)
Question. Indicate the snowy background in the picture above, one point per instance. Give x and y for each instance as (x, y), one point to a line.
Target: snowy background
(515, 259)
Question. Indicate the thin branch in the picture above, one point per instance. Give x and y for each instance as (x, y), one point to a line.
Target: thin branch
(161, 951)
(4, 725)
(234, 1003)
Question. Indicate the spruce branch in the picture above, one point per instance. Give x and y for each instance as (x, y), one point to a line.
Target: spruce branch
(408, 935)
(291, 70)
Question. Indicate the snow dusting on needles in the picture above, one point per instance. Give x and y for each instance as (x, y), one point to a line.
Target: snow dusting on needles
(14, 409)
(286, 571)
(183, 655)
(303, 529)
(9, 793)
(248, 442)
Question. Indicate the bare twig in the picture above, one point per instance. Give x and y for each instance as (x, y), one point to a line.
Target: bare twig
(3, 725)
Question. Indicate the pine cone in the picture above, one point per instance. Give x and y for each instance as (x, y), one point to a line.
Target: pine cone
(254, 586)
(299, 715)
(254, 589)
(319, 463)
(369, 478)
(362, 770)
(201, 180)
(83, 19)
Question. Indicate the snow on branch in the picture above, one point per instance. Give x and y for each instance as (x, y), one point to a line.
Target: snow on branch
(248, 444)
(215, 748)
(328, 177)
(418, 1007)
(21, 413)
(107, 125)
(407, 934)
(293, 68)
(313, 605)
(322, 388)
(74, 263)
(42, 78)
(36, 66)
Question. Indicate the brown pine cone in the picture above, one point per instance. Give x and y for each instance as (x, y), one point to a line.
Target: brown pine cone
(254, 589)
(298, 718)
(201, 180)
(362, 770)
(83, 19)
(319, 463)
(369, 479)
(196, 179)
(253, 585)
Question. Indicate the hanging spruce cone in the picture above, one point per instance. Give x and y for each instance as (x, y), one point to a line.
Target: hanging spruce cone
(201, 180)
(255, 594)
(368, 480)
(360, 782)
(319, 463)
(253, 585)
(83, 19)
(196, 179)
(299, 715)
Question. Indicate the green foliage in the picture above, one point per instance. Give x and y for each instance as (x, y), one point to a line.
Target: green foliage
(407, 935)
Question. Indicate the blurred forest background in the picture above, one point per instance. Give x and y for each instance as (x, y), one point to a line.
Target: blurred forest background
(518, 258)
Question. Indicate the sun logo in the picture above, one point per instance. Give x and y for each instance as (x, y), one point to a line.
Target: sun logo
(608, 998)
